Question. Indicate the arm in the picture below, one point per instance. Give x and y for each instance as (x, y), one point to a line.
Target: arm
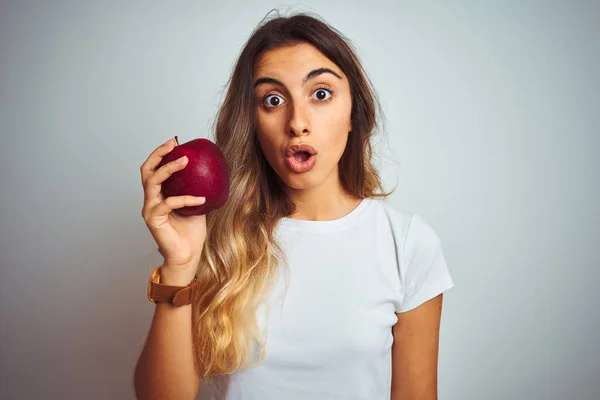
(415, 352)
(165, 369)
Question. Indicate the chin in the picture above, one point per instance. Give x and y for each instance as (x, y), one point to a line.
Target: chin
(298, 182)
(294, 181)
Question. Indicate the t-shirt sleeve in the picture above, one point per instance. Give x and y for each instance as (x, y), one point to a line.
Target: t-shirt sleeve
(423, 270)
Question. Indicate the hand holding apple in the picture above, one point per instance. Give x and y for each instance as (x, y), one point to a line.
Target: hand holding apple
(180, 238)
(205, 175)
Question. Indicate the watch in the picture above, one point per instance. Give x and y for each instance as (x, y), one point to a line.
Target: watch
(176, 295)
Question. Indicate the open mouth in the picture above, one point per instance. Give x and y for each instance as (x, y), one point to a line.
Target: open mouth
(301, 161)
(301, 156)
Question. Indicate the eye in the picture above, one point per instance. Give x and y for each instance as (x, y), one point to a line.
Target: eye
(322, 94)
(272, 100)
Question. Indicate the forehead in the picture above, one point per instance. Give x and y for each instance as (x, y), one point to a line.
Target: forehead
(292, 61)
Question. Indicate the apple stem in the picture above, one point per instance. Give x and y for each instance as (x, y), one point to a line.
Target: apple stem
(176, 140)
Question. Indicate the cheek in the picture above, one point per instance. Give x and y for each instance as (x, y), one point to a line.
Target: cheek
(336, 124)
(268, 142)
(266, 126)
(333, 148)
(336, 117)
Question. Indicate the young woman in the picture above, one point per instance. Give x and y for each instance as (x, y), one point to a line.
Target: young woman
(306, 284)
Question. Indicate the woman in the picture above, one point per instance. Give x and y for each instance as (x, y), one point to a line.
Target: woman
(308, 284)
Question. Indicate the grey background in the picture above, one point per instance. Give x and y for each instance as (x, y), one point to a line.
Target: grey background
(492, 116)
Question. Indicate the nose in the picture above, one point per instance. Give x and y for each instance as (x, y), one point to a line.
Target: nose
(299, 120)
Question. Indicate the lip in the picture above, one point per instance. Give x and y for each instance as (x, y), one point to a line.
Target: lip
(301, 166)
(294, 148)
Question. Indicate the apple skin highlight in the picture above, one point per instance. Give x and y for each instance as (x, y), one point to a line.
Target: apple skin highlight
(205, 175)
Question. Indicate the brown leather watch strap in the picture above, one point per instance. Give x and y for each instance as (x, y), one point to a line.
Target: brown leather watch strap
(185, 295)
(164, 293)
(176, 295)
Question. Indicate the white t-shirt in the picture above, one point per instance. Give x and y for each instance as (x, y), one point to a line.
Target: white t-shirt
(330, 335)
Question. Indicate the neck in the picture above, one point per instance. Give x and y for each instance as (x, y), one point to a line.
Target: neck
(325, 202)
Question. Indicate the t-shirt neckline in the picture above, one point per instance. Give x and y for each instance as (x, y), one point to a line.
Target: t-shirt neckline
(326, 226)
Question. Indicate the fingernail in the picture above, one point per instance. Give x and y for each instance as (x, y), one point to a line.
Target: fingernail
(181, 159)
(200, 198)
(168, 141)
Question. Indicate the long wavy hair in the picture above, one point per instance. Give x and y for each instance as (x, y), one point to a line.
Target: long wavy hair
(241, 256)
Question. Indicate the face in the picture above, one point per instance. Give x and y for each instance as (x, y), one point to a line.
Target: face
(302, 97)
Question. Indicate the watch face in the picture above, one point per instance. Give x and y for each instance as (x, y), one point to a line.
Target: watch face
(150, 291)
(155, 277)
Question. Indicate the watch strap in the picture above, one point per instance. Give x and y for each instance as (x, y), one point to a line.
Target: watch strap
(160, 293)
(176, 295)
(185, 295)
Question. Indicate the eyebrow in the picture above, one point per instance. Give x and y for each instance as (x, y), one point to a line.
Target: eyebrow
(311, 75)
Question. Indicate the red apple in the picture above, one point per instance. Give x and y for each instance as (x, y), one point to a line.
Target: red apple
(206, 174)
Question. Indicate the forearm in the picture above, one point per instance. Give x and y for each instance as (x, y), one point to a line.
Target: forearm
(165, 369)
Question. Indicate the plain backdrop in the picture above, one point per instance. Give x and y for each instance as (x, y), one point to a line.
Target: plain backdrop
(493, 136)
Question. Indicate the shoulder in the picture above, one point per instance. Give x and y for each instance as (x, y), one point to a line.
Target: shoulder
(383, 208)
(409, 229)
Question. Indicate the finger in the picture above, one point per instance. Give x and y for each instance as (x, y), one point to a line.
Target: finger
(148, 167)
(175, 202)
(153, 184)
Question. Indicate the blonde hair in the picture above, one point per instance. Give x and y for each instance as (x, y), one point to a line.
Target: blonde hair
(240, 258)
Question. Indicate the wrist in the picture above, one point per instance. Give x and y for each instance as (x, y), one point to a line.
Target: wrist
(177, 276)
